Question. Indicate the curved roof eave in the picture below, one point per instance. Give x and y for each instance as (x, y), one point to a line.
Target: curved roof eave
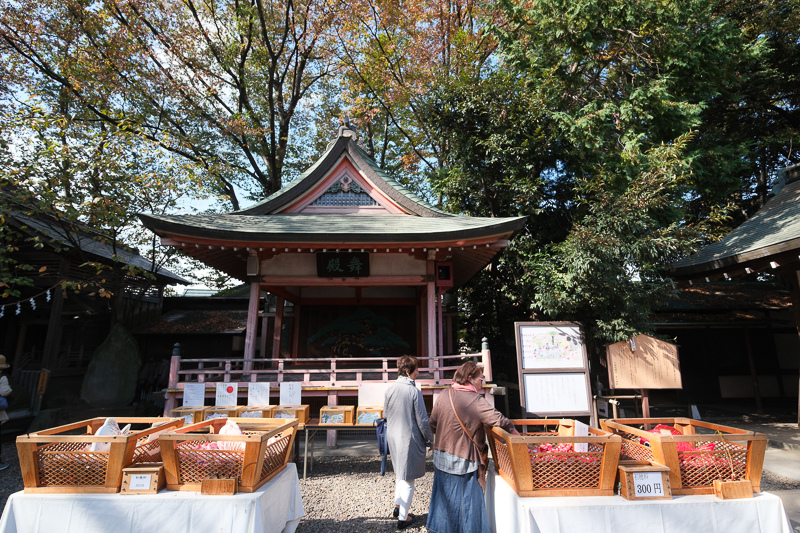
(323, 228)
(772, 230)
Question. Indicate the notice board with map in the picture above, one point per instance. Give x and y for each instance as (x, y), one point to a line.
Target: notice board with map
(553, 369)
(643, 362)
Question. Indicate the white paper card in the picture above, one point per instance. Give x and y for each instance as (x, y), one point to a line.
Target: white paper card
(372, 394)
(290, 393)
(258, 393)
(581, 430)
(194, 394)
(140, 482)
(647, 484)
(556, 393)
(226, 394)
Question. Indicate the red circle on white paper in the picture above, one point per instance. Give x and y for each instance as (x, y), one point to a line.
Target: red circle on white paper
(230, 388)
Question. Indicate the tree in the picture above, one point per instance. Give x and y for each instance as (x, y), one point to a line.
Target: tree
(217, 83)
(610, 271)
(393, 54)
(583, 127)
(87, 182)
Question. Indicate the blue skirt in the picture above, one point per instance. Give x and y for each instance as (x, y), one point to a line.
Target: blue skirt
(457, 504)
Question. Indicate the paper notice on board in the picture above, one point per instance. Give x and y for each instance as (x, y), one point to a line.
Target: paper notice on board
(226, 394)
(194, 394)
(291, 393)
(372, 394)
(545, 346)
(556, 393)
(258, 393)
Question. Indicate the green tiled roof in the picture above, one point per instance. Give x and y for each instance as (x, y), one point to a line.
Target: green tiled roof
(323, 228)
(774, 229)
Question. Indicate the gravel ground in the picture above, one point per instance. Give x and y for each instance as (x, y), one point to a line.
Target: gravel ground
(347, 494)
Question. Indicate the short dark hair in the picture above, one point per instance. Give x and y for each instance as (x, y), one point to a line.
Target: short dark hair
(406, 365)
(466, 372)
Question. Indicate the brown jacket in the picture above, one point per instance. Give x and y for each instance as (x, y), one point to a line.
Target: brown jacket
(474, 412)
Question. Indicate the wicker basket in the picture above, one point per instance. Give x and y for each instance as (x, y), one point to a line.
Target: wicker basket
(254, 458)
(699, 453)
(532, 472)
(60, 460)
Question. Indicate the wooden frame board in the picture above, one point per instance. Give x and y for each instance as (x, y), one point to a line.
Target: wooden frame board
(643, 363)
(553, 369)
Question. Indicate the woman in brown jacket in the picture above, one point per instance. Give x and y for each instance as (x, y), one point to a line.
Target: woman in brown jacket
(459, 454)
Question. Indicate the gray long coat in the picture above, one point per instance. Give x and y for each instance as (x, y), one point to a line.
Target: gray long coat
(407, 430)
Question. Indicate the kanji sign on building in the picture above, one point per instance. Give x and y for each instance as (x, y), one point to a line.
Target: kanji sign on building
(343, 264)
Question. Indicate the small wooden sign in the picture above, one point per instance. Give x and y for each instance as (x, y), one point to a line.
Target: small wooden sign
(223, 486)
(644, 480)
(644, 362)
(733, 490)
(143, 479)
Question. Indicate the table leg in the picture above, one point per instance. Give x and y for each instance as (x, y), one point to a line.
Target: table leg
(305, 456)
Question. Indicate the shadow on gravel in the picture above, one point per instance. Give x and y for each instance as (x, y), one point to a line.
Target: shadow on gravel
(358, 525)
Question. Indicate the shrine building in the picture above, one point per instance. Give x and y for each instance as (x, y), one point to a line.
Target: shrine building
(361, 262)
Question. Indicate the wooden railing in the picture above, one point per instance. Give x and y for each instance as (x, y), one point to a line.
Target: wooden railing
(317, 376)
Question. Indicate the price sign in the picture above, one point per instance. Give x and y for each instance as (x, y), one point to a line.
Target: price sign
(648, 484)
(140, 482)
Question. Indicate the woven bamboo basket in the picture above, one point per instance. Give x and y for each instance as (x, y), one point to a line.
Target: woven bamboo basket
(197, 452)
(700, 453)
(60, 460)
(531, 472)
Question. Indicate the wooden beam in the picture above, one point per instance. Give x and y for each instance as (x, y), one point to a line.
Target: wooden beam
(430, 296)
(313, 281)
(252, 325)
(276, 334)
(52, 340)
(794, 283)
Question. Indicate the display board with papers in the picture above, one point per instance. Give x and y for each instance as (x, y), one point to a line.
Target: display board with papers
(553, 369)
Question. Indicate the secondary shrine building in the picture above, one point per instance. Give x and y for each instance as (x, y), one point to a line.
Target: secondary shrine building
(362, 261)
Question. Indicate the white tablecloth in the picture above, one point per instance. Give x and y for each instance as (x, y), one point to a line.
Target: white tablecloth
(274, 508)
(508, 512)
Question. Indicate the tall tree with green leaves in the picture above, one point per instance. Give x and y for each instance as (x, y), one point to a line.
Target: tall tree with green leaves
(616, 185)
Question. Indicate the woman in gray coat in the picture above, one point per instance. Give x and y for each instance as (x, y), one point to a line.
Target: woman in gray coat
(407, 434)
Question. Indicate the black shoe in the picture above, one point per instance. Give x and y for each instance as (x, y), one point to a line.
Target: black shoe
(396, 512)
(402, 524)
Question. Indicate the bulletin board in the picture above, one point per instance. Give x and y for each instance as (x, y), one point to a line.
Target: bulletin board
(553, 369)
(643, 362)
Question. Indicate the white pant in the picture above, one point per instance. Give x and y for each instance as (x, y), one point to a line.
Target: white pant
(403, 493)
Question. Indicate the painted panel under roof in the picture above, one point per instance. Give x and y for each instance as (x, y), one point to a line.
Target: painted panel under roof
(291, 264)
(343, 190)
